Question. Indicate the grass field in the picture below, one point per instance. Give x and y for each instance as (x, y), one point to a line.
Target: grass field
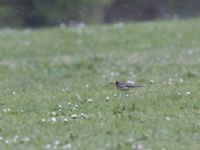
(54, 84)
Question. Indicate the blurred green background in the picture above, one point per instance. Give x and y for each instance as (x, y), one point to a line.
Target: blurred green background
(39, 13)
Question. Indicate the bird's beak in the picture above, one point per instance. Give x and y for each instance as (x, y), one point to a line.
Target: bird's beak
(113, 82)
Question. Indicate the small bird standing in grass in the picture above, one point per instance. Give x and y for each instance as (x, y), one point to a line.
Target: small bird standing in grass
(125, 86)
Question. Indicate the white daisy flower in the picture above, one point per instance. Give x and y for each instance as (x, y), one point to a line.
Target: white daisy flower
(74, 116)
(89, 100)
(107, 98)
(53, 119)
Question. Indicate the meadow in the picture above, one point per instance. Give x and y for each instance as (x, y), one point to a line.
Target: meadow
(55, 91)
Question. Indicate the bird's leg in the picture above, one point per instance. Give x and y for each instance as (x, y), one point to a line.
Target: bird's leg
(120, 94)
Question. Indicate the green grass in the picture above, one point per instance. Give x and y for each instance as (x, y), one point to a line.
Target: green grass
(41, 69)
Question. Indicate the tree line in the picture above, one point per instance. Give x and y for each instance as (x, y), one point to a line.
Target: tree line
(38, 13)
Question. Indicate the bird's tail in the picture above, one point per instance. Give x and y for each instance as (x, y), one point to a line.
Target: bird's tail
(137, 86)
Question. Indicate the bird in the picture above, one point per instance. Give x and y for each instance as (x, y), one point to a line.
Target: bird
(125, 86)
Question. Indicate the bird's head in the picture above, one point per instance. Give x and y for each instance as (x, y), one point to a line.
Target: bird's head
(114, 82)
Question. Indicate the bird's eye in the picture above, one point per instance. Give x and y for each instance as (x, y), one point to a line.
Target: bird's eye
(116, 82)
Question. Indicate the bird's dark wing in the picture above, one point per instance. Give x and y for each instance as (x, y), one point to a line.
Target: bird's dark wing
(129, 85)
